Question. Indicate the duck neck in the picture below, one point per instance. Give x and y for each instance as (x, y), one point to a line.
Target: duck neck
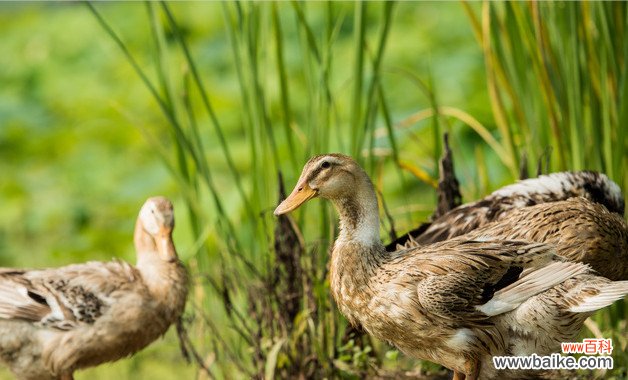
(161, 270)
(358, 251)
(359, 216)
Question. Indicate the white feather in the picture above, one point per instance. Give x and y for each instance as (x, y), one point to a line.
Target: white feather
(552, 183)
(609, 293)
(531, 284)
(460, 340)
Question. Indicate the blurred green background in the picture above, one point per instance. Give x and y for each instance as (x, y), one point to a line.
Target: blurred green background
(83, 142)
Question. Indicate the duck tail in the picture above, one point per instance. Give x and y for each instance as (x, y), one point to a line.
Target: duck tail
(597, 187)
(608, 293)
(530, 284)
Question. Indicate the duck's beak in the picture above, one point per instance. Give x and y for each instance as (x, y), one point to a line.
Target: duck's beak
(301, 193)
(165, 246)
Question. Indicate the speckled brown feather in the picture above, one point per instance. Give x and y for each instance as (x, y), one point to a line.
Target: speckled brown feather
(581, 231)
(80, 293)
(595, 187)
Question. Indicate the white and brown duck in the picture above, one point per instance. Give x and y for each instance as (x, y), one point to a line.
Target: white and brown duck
(555, 187)
(580, 213)
(448, 302)
(581, 230)
(55, 321)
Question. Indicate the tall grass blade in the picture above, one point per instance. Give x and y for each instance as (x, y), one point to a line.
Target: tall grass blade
(357, 125)
(210, 110)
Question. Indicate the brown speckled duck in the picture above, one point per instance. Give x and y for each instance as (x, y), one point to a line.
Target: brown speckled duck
(587, 228)
(449, 302)
(55, 321)
(580, 230)
(555, 187)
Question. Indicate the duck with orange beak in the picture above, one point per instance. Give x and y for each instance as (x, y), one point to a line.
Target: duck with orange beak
(452, 302)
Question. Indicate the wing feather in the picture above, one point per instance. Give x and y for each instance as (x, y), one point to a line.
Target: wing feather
(466, 274)
(18, 302)
(63, 298)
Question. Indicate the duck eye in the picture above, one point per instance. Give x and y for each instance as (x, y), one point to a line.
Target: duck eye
(325, 164)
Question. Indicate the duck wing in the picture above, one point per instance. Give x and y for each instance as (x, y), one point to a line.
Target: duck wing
(19, 299)
(471, 281)
(62, 298)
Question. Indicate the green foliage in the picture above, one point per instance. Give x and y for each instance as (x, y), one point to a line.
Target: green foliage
(557, 78)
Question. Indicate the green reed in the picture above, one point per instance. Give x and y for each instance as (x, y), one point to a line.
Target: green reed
(557, 74)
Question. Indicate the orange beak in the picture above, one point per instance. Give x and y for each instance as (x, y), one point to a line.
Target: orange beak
(165, 246)
(301, 193)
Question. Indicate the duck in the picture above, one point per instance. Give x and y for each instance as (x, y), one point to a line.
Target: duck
(58, 320)
(555, 187)
(580, 230)
(448, 302)
(582, 217)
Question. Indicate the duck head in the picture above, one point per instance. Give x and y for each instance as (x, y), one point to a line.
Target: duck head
(154, 228)
(341, 180)
(330, 176)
